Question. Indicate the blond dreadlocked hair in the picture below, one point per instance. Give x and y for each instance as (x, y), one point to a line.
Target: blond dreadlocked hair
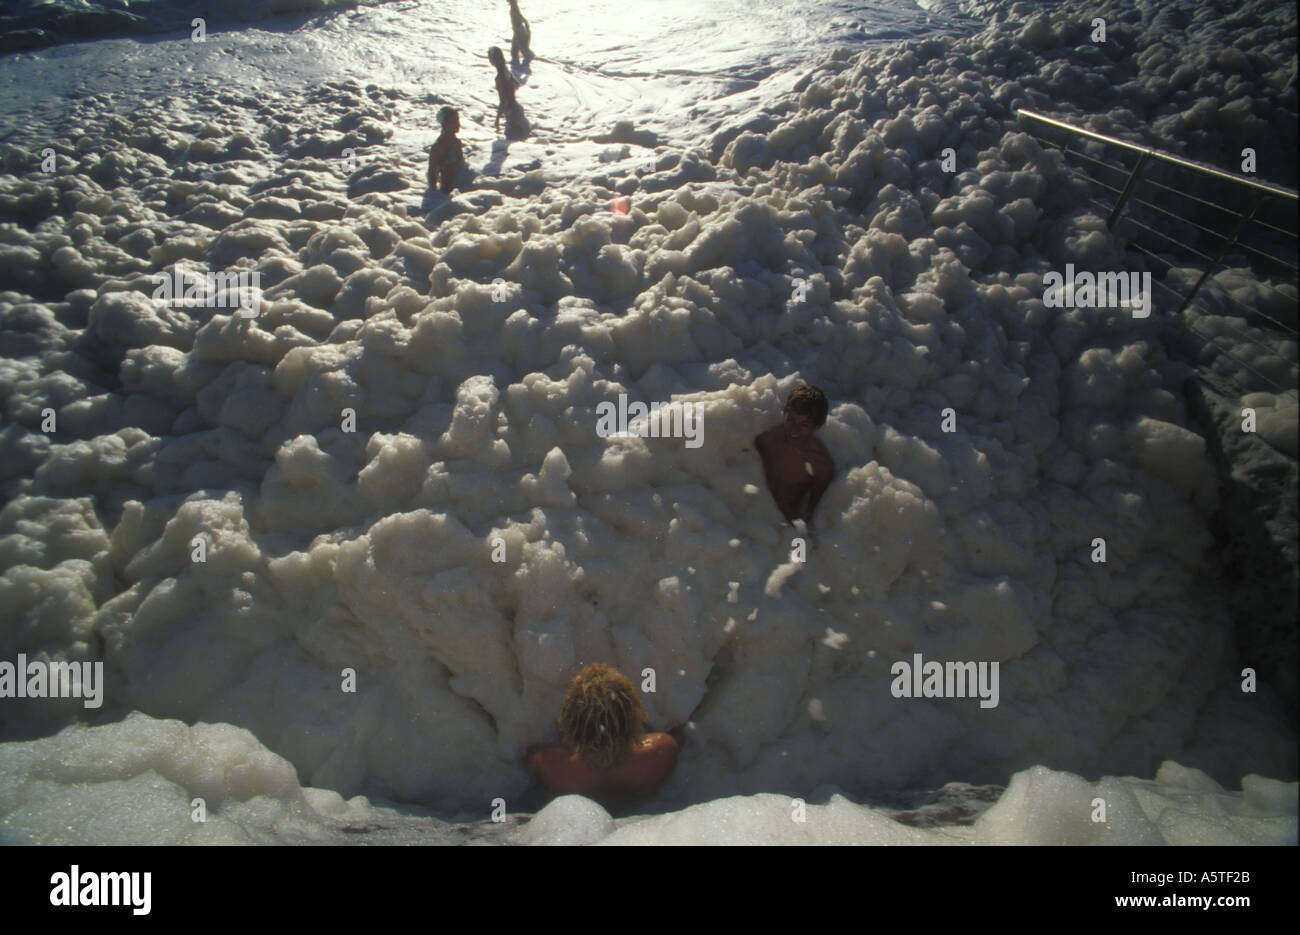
(602, 717)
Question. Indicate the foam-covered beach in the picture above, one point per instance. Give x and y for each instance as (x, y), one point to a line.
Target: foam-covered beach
(392, 469)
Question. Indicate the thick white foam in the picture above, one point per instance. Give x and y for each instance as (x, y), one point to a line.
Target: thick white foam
(372, 550)
(140, 781)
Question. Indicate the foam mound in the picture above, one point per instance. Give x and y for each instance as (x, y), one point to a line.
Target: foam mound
(1040, 807)
(145, 781)
(141, 780)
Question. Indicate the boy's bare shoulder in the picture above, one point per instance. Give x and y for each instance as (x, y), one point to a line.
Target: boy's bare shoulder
(767, 437)
(661, 744)
(822, 455)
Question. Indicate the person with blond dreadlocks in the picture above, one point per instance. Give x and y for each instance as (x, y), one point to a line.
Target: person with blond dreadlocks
(606, 753)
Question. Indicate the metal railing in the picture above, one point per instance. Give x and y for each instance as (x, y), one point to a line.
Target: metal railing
(1159, 216)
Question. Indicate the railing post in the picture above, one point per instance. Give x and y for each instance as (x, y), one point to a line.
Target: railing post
(1128, 190)
(1243, 219)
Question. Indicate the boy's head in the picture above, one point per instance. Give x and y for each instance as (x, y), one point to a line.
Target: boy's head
(602, 716)
(497, 57)
(449, 119)
(805, 412)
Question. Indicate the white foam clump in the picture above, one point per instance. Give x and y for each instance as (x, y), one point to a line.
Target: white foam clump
(137, 781)
(1181, 806)
(1278, 419)
(393, 469)
(567, 820)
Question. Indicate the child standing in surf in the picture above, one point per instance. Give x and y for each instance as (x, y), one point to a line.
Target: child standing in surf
(507, 106)
(447, 157)
(521, 35)
(795, 463)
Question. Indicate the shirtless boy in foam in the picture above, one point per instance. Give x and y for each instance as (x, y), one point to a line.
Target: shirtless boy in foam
(606, 754)
(447, 157)
(795, 463)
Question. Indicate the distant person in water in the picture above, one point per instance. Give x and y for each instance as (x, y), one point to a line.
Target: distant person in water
(606, 753)
(447, 157)
(796, 464)
(521, 36)
(507, 106)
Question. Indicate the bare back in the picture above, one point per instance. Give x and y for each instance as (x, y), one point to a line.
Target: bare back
(794, 472)
(564, 771)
